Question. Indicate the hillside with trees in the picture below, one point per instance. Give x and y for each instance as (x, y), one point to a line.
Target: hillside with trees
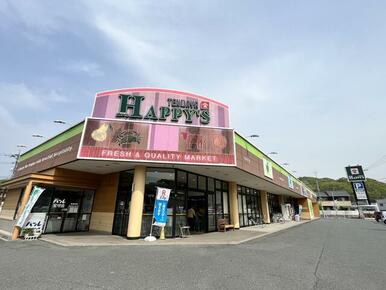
(375, 188)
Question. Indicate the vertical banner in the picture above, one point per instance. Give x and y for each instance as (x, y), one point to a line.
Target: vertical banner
(161, 206)
(34, 196)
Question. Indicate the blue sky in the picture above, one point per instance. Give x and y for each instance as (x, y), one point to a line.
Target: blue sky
(307, 76)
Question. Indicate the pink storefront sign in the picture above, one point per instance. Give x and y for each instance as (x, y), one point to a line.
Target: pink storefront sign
(152, 142)
(161, 106)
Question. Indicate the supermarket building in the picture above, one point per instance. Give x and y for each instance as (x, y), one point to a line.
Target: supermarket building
(101, 174)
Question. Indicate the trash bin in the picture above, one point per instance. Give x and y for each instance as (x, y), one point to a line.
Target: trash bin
(297, 218)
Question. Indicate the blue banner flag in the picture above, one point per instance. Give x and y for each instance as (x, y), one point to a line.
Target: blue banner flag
(161, 206)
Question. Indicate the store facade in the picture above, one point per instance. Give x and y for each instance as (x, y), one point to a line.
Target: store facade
(102, 173)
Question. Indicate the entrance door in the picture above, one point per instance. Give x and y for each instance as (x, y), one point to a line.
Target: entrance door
(197, 201)
(122, 206)
(64, 211)
(121, 216)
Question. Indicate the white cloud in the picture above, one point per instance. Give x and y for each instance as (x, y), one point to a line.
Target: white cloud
(18, 95)
(140, 55)
(89, 68)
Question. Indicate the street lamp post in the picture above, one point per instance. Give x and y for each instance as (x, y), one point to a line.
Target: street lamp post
(60, 122)
(253, 136)
(17, 156)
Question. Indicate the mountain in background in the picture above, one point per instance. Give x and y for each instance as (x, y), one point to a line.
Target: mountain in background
(376, 189)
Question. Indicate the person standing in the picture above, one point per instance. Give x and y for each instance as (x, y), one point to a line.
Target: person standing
(191, 217)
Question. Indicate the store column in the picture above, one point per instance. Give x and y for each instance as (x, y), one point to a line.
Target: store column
(264, 207)
(316, 209)
(136, 204)
(26, 195)
(305, 215)
(234, 204)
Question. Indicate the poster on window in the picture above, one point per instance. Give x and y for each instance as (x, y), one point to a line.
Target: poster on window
(161, 206)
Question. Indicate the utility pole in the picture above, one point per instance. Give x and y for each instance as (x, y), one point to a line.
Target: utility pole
(317, 182)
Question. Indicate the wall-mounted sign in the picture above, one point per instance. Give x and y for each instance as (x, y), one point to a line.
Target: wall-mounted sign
(290, 182)
(61, 153)
(360, 190)
(268, 168)
(161, 105)
(149, 142)
(355, 173)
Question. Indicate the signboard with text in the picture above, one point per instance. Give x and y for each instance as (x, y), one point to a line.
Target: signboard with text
(360, 190)
(147, 142)
(290, 182)
(355, 173)
(61, 153)
(268, 168)
(162, 106)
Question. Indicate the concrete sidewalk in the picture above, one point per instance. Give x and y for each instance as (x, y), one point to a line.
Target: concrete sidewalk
(216, 238)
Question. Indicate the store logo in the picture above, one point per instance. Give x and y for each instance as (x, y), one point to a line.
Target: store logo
(130, 108)
(59, 203)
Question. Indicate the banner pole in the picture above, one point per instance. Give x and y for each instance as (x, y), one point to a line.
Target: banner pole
(151, 226)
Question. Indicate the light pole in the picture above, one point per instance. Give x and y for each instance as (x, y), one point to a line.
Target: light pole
(17, 156)
(253, 136)
(60, 122)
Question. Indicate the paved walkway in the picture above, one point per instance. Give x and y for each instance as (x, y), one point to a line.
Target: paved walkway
(229, 238)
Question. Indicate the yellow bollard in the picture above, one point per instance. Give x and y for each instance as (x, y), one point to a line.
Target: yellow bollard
(162, 236)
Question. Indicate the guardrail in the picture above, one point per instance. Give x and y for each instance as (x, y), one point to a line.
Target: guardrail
(340, 213)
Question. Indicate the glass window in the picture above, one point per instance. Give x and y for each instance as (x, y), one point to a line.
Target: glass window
(43, 203)
(210, 184)
(180, 202)
(161, 178)
(212, 224)
(154, 178)
(218, 184)
(225, 185)
(241, 216)
(192, 181)
(88, 197)
(202, 182)
(219, 209)
(181, 178)
(225, 200)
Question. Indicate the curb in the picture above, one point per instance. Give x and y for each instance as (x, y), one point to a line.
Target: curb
(264, 234)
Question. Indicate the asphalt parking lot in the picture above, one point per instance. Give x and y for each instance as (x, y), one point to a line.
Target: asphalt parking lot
(324, 254)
